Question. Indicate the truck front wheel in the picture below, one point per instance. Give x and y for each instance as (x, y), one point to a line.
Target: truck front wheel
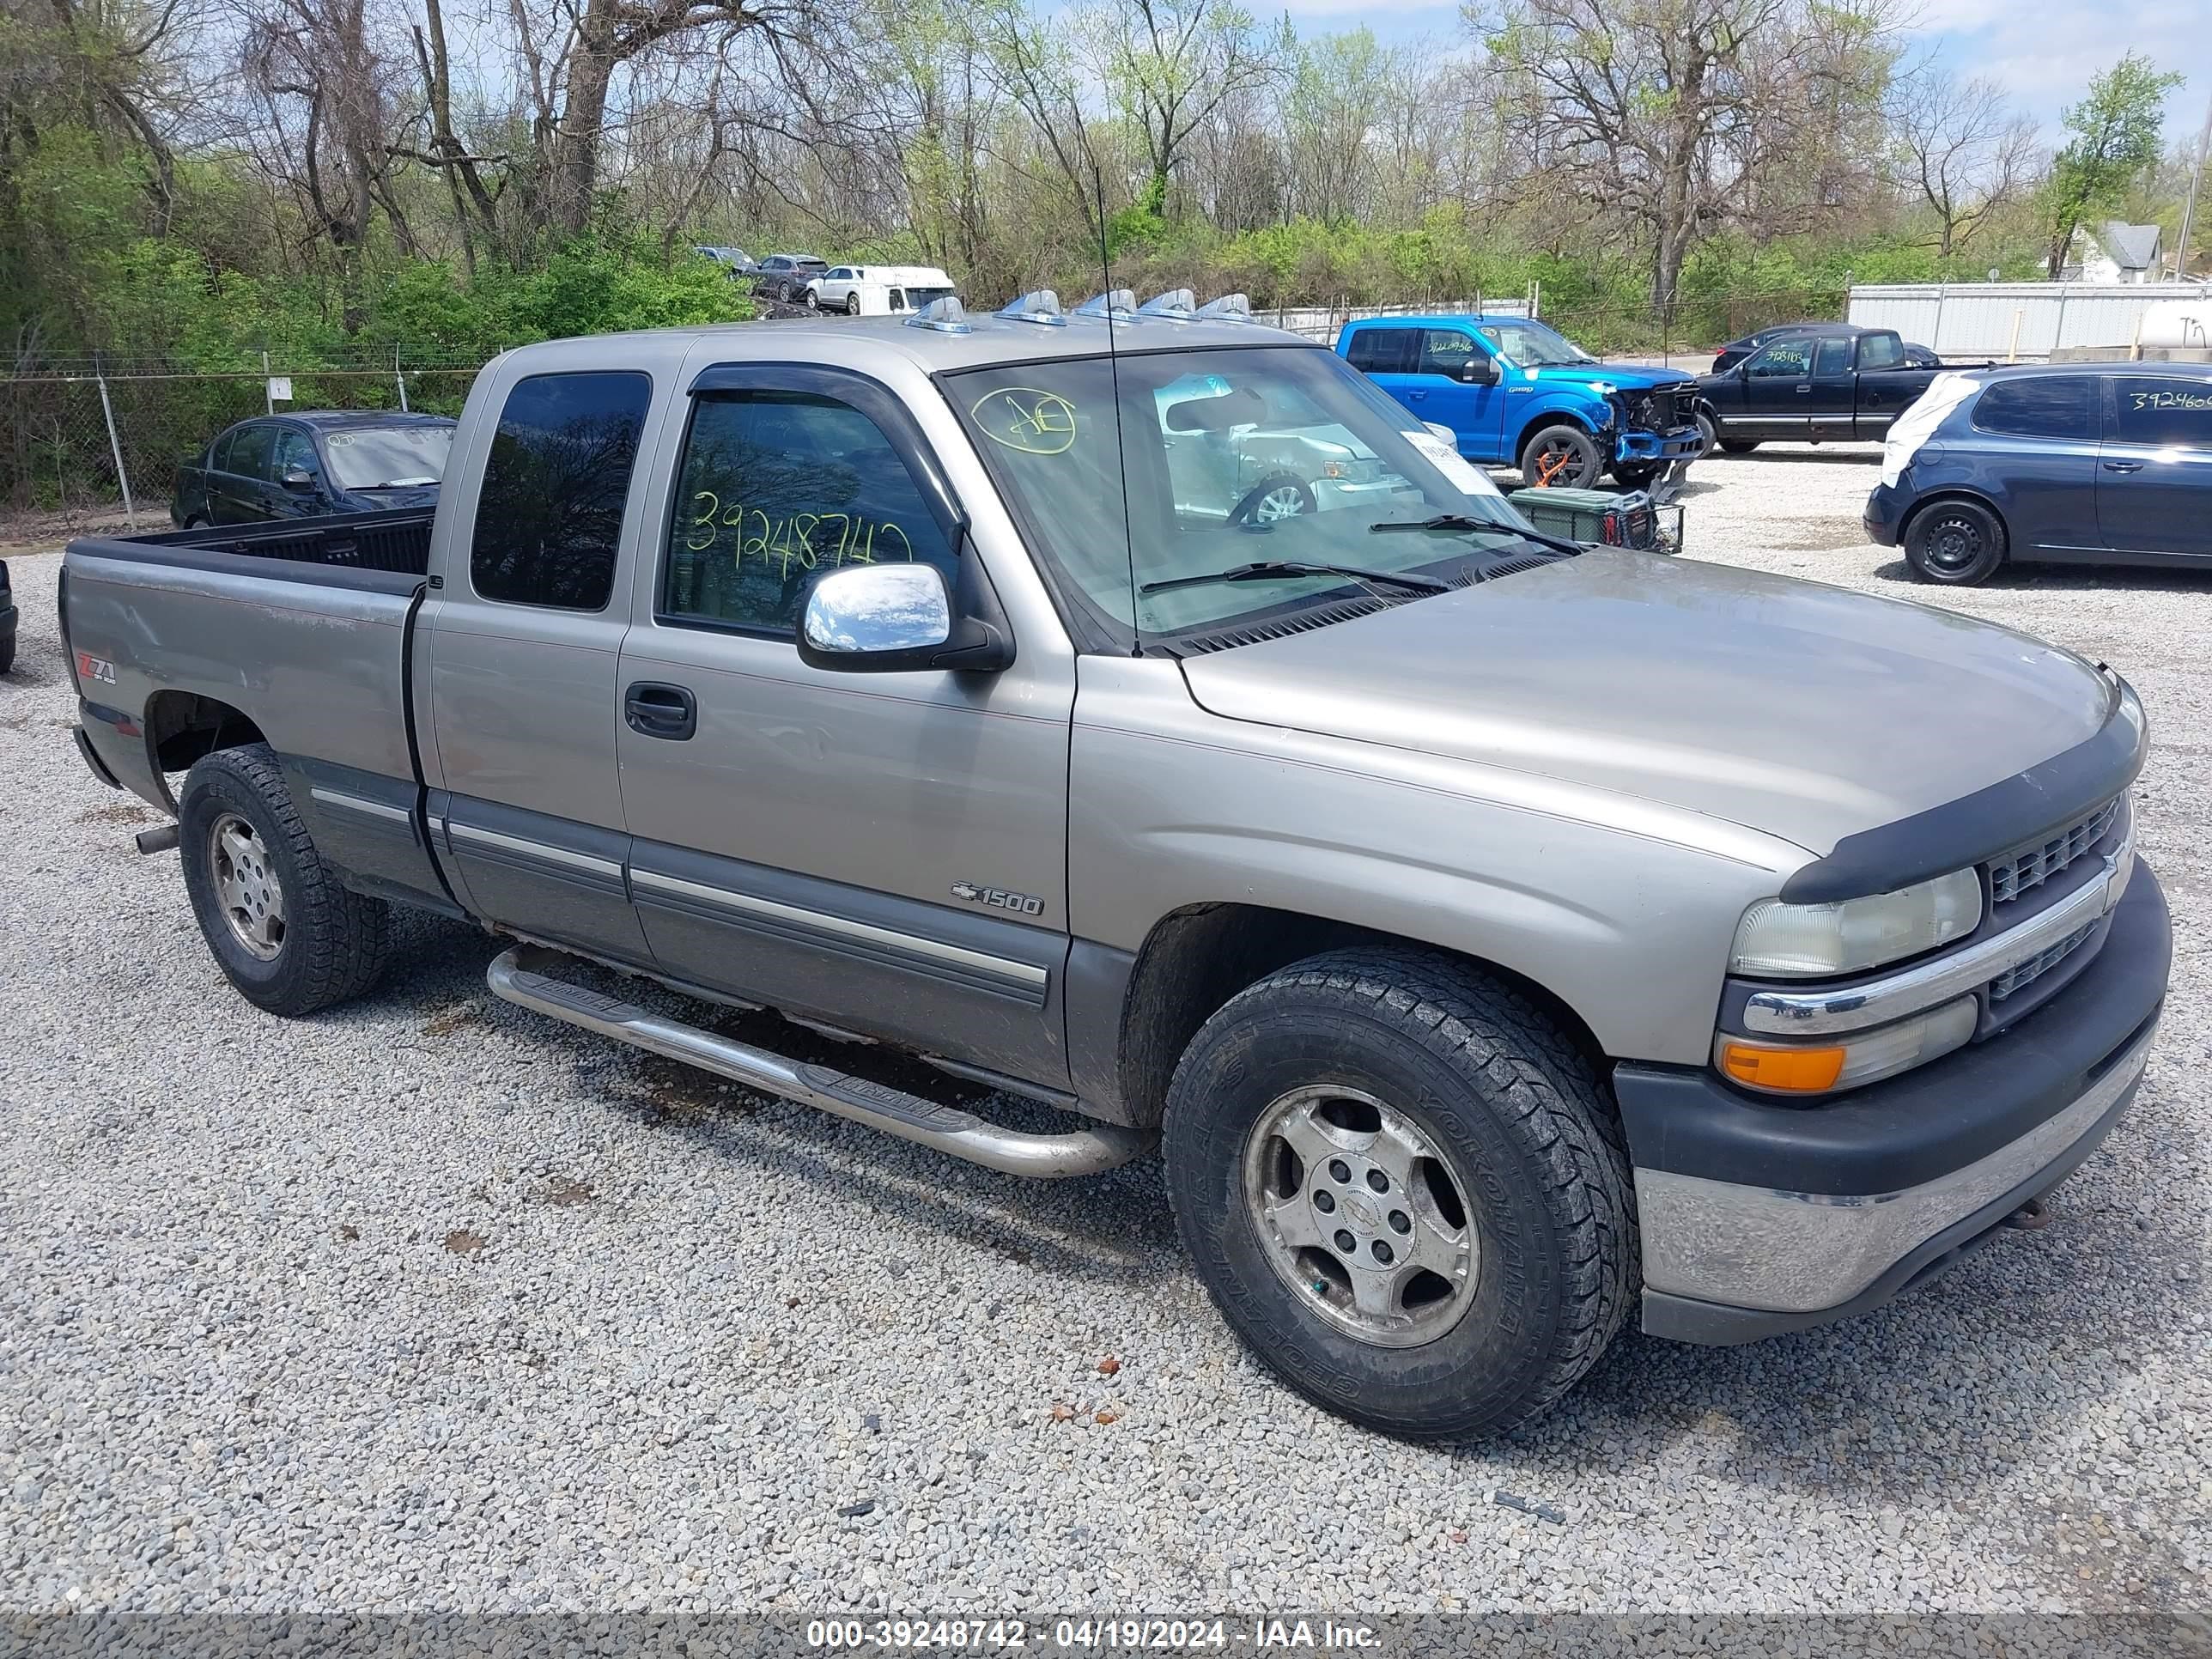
(285, 932)
(1562, 456)
(1403, 1188)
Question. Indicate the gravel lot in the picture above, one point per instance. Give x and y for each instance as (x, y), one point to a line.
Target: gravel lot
(429, 1304)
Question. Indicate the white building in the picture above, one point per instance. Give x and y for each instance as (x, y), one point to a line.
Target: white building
(2115, 253)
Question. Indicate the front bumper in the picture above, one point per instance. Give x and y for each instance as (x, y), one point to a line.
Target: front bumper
(1759, 1218)
(1885, 512)
(1681, 444)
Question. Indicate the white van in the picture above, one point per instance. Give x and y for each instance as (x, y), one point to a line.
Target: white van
(879, 290)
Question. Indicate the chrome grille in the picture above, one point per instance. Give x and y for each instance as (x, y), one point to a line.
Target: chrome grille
(2031, 866)
(2021, 974)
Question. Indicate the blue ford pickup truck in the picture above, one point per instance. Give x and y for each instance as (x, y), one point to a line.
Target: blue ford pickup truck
(1519, 393)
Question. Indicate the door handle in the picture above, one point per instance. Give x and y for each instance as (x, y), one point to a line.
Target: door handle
(1804, 389)
(2123, 466)
(655, 710)
(1415, 396)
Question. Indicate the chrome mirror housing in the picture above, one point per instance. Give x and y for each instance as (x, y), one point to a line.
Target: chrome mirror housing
(878, 611)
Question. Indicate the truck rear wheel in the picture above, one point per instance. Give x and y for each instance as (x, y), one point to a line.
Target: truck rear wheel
(1404, 1189)
(1562, 456)
(283, 929)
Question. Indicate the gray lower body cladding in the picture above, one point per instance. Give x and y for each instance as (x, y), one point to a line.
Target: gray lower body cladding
(1760, 1218)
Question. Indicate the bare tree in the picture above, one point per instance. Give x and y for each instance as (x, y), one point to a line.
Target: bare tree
(1170, 65)
(1962, 149)
(1675, 112)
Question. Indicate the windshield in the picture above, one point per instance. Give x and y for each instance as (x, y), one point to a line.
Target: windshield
(1533, 345)
(387, 457)
(1266, 454)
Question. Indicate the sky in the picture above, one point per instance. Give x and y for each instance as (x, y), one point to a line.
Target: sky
(2041, 51)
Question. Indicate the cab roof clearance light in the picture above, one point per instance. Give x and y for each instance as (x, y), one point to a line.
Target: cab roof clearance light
(1119, 304)
(1177, 304)
(1228, 309)
(1040, 305)
(946, 316)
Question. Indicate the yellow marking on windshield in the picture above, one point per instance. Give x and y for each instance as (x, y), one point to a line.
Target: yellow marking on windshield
(1025, 419)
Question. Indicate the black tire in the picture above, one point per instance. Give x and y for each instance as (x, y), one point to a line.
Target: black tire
(1579, 467)
(1957, 543)
(1280, 487)
(1523, 1125)
(853, 303)
(1637, 475)
(1738, 446)
(1709, 434)
(6, 654)
(335, 942)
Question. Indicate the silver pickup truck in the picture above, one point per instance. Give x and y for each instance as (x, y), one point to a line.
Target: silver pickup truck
(1148, 717)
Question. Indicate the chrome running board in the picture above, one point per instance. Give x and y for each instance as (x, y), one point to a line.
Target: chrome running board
(521, 976)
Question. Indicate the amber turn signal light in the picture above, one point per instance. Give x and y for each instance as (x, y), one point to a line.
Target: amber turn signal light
(1799, 1071)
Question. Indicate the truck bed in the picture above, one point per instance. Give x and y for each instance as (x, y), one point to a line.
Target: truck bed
(397, 543)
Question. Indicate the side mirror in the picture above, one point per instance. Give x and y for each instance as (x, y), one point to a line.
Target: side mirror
(299, 480)
(1478, 370)
(893, 618)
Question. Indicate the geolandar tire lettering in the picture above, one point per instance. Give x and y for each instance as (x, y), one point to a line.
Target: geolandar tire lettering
(285, 931)
(1405, 1189)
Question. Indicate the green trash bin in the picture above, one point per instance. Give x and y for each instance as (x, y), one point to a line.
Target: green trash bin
(1626, 519)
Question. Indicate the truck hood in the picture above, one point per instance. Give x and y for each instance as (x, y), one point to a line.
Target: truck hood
(1804, 711)
(1628, 377)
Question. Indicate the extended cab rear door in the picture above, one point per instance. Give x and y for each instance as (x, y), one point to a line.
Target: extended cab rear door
(521, 643)
(1887, 386)
(882, 852)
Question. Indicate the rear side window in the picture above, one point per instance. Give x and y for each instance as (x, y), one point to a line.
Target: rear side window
(1881, 352)
(2039, 406)
(775, 487)
(1384, 350)
(549, 519)
(2174, 413)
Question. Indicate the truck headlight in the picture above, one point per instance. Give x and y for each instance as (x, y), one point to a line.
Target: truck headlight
(1812, 941)
(1798, 1068)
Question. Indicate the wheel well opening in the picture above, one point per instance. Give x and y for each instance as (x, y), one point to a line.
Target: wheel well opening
(183, 726)
(1197, 958)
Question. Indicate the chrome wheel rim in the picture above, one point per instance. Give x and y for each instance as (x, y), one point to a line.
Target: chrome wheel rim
(1360, 1214)
(1954, 544)
(1284, 502)
(246, 887)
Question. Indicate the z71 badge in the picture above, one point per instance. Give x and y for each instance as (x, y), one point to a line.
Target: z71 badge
(1022, 904)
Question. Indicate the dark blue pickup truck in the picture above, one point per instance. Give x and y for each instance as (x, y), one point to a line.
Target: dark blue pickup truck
(1516, 393)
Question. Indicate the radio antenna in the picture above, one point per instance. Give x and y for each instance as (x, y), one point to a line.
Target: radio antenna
(1109, 299)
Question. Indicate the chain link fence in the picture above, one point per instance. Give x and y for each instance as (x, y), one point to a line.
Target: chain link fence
(86, 446)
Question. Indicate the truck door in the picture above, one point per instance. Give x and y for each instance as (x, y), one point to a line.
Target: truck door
(522, 645)
(1460, 389)
(884, 851)
(2154, 474)
(1830, 401)
(1777, 391)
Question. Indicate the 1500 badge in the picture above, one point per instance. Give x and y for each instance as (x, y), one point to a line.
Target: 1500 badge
(1022, 904)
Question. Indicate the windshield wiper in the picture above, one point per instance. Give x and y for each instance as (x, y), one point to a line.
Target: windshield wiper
(1461, 521)
(1260, 570)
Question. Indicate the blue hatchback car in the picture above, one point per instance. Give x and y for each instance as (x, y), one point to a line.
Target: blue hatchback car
(2060, 463)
